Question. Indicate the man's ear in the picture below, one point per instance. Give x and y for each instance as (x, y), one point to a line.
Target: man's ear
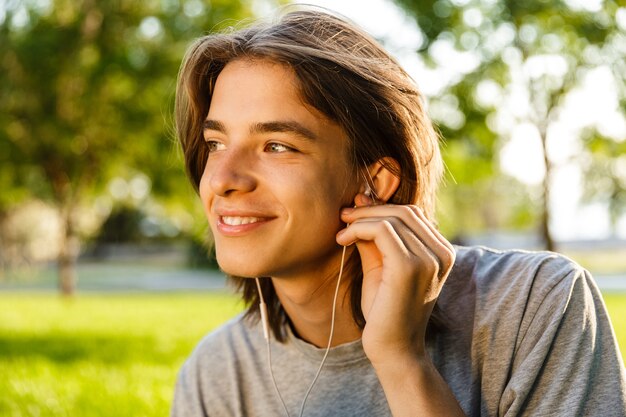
(382, 180)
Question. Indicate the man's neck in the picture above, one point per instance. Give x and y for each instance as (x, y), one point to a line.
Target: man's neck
(308, 301)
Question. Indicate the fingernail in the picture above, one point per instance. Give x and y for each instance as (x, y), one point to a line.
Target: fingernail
(347, 210)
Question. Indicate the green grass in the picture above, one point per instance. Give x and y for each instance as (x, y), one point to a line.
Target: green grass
(616, 304)
(99, 355)
(114, 355)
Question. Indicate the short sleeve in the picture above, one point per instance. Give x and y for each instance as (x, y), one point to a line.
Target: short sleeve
(567, 362)
(187, 401)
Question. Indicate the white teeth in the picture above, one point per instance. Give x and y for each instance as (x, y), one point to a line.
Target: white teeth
(237, 221)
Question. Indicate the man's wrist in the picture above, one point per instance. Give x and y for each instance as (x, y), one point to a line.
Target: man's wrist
(402, 365)
(414, 386)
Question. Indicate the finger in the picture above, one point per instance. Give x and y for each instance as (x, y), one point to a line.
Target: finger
(417, 224)
(374, 229)
(378, 231)
(391, 252)
(448, 256)
(420, 213)
(408, 236)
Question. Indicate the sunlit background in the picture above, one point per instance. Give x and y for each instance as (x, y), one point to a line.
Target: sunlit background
(529, 97)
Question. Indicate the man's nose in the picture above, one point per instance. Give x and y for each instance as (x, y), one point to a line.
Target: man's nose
(232, 172)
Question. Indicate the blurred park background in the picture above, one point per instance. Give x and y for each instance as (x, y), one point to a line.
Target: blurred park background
(530, 98)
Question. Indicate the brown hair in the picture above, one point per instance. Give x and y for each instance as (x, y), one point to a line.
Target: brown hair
(349, 78)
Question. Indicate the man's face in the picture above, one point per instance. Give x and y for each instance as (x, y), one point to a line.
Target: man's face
(276, 177)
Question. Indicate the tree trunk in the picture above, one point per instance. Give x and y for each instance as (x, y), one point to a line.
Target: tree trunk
(615, 205)
(546, 235)
(66, 262)
(4, 262)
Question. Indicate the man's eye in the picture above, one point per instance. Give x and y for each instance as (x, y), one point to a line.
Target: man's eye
(277, 147)
(214, 145)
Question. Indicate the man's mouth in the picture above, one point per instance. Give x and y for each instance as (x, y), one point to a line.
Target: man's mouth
(238, 221)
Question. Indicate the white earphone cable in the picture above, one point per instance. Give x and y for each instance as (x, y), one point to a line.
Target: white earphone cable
(263, 308)
(330, 337)
(266, 334)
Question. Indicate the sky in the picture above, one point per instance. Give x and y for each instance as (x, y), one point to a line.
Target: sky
(521, 157)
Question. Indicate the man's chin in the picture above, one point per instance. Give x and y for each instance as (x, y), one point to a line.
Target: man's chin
(241, 271)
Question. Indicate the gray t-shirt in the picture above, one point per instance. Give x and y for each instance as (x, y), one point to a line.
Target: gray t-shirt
(526, 334)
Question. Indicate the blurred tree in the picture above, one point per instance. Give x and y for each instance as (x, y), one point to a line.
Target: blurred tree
(520, 62)
(605, 170)
(86, 89)
(122, 226)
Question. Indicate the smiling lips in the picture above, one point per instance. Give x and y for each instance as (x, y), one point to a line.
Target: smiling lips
(239, 225)
(237, 221)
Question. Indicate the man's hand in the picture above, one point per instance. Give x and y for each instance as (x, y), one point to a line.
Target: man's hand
(405, 264)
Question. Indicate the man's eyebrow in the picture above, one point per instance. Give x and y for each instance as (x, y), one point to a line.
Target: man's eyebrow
(284, 127)
(266, 127)
(214, 125)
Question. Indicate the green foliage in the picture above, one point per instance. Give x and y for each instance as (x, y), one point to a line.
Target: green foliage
(99, 355)
(501, 40)
(87, 88)
(86, 93)
(604, 165)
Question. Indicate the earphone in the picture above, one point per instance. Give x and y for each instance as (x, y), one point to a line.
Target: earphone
(266, 333)
(265, 323)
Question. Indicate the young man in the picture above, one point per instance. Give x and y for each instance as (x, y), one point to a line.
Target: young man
(307, 142)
